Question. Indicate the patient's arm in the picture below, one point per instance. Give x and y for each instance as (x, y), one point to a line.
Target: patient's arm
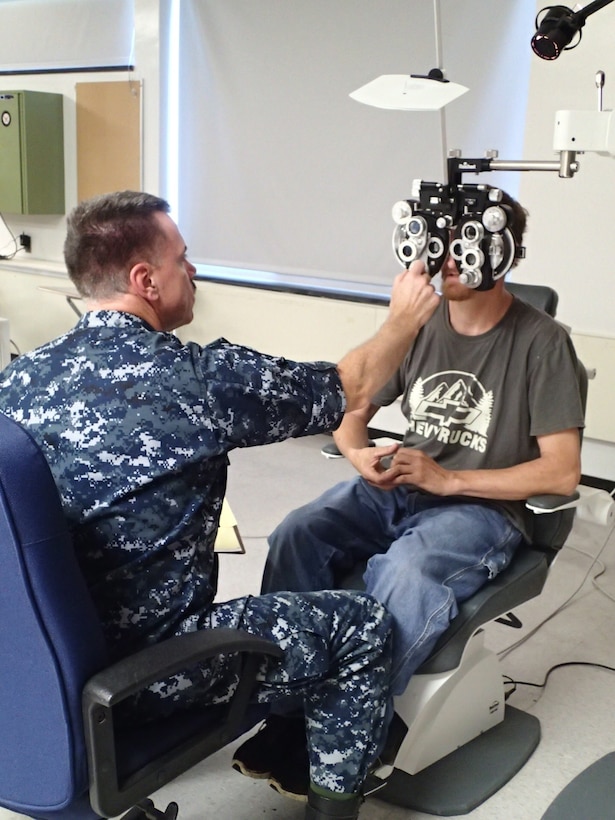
(367, 368)
(556, 471)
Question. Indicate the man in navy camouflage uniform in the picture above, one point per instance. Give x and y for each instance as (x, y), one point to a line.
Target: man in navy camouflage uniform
(137, 428)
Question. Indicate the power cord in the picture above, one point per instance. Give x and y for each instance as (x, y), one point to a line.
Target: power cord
(597, 586)
(18, 244)
(601, 589)
(515, 683)
(568, 601)
(538, 626)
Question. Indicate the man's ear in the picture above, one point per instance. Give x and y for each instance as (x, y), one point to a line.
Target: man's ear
(142, 282)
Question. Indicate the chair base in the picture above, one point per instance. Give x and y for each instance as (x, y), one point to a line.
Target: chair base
(444, 711)
(591, 795)
(464, 779)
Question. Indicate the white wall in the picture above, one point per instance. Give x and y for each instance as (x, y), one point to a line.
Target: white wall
(35, 313)
(571, 226)
(571, 220)
(47, 232)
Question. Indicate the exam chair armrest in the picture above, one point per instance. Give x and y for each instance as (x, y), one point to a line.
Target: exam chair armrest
(590, 504)
(550, 503)
(113, 790)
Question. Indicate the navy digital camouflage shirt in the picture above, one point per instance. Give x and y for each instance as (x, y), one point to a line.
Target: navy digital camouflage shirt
(136, 427)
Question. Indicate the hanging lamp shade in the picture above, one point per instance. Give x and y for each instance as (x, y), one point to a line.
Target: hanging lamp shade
(404, 92)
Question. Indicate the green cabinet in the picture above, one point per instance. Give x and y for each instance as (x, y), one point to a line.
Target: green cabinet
(31, 153)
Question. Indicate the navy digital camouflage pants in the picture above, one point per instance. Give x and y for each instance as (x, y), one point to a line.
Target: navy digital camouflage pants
(337, 658)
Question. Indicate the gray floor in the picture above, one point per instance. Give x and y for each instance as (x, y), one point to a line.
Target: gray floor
(575, 709)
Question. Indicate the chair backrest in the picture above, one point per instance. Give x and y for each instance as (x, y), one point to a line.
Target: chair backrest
(50, 637)
(539, 296)
(550, 531)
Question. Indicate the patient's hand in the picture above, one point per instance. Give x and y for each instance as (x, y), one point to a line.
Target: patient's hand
(372, 464)
(415, 468)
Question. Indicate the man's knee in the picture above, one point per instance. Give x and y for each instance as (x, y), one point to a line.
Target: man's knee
(289, 532)
(359, 616)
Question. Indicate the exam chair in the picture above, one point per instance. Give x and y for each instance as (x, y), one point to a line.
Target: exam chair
(63, 753)
(463, 743)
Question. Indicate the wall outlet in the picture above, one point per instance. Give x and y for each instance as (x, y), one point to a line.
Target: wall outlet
(25, 242)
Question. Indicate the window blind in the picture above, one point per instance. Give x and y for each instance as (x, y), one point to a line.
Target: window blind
(66, 35)
(280, 171)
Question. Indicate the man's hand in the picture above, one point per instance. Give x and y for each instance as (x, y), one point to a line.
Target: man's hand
(372, 464)
(414, 468)
(413, 297)
(367, 368)
(393, 466)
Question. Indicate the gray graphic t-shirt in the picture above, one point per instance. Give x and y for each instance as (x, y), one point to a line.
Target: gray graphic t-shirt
(479, 402)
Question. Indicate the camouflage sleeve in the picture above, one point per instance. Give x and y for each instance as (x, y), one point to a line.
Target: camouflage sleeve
(256, 399)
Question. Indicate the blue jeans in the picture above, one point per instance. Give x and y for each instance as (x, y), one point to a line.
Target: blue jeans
(425, 554)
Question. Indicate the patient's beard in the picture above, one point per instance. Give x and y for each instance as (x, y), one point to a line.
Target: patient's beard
(454, 291)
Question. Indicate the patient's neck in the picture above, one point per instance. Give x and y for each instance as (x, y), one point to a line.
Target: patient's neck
(480, 311)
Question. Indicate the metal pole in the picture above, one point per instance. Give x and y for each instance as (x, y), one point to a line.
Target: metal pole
(440, 65)
(566, 167)
(590, 8)
(438, 34)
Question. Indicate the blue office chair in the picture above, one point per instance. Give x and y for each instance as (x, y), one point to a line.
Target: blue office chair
(462, 743)
(63, 755)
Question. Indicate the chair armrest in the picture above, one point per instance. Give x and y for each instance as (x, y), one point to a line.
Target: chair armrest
(133, 673)
(113, 791)
(590, 504)
(552, 503)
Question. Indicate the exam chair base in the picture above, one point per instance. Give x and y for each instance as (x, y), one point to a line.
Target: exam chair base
(446, 710)
(465, 778)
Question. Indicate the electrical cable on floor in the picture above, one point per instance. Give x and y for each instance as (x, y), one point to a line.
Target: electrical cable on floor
(514, 683)
(568, 601)
(597, 586)
(600, 589)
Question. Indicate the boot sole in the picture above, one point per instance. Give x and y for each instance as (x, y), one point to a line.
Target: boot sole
(255, 775)
(276, 786)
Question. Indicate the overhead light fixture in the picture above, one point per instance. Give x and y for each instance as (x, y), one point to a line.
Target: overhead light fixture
(413, 92)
